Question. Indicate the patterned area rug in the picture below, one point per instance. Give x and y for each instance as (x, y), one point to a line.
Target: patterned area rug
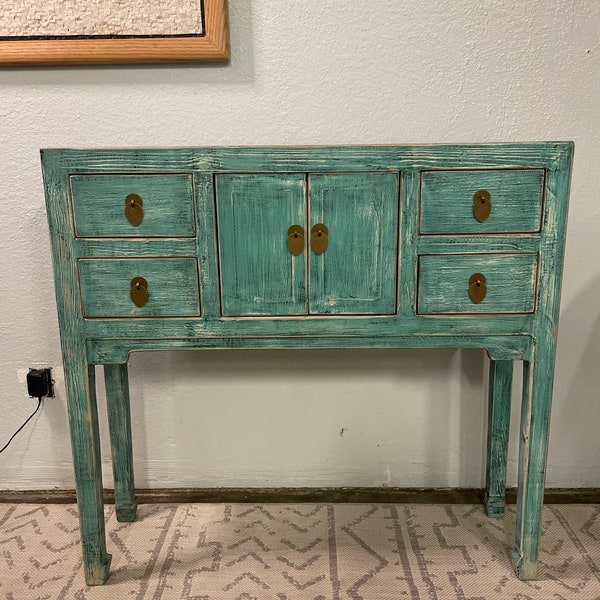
(299, 551)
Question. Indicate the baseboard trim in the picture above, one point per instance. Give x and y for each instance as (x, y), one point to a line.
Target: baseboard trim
(298, 495)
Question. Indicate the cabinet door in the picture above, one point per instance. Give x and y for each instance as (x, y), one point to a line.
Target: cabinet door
(259, 274)
(357, 273)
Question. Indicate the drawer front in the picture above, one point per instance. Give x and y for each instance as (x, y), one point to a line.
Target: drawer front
(447, 201)
(172, 287)
(100, 201)
(445, 279)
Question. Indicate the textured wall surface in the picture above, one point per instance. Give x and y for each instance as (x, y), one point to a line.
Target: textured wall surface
(317, 72)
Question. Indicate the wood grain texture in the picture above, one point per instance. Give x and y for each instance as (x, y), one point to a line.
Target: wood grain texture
(314, 327)
(116, 381)
(213, 46)
(79, 382)
(501, 347)
(99, 205)
(85, 443)
(535, 421)
(386, 254)
(172, 287)
(499, 403)
(133, 248)
(289, 159)
(358, 272)
(538, 372)
(444, 283)
(447, 201)
(210, 282)
(259, 275)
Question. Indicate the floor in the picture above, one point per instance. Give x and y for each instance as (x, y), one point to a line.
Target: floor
(299, 551)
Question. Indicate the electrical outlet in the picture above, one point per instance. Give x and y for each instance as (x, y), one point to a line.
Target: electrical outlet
(39, 383)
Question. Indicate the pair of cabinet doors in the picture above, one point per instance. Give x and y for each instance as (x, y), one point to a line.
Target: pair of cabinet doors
(351, 269)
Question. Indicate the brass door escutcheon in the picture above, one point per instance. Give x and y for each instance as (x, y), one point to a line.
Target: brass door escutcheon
(139, 291)
(482, 205)
(295, 240)
(477, 288)
(133, 209)
(319, 238)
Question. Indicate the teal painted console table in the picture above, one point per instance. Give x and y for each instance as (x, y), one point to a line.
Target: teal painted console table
(309, 247)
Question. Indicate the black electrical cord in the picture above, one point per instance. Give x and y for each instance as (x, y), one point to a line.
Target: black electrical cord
(20, 428)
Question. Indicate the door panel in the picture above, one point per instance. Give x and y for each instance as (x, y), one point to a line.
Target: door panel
(259, 274)
(357, 273)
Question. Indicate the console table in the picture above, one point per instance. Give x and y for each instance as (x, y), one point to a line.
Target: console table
(308, 247)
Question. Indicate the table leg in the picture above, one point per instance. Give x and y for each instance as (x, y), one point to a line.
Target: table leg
(119, 423)
(535, 421)
(85, 441)
(499, 401)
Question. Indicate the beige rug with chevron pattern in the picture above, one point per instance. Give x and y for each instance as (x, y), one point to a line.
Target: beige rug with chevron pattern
(299, 552)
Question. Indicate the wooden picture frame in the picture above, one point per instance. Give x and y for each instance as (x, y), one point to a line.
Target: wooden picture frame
(211, 45)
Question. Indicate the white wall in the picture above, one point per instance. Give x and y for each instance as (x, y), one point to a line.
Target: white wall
(316, 72)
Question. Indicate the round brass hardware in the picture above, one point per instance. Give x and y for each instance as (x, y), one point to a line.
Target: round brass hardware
(477, 288)
(295, 240)
(133, 209)
(319, 239)
(482, 205)
(139, 291)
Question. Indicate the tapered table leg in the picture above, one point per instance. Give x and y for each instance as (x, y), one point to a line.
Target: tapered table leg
(119, 422)
(535, 420)
(499, 401)
(85, 441)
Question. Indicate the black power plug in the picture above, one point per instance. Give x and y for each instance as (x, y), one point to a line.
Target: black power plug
(39, 383)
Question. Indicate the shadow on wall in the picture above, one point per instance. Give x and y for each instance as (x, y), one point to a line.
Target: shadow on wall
(576, 411)
(406, 417)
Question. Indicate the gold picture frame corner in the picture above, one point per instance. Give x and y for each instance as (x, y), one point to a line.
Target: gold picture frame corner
(213, 46)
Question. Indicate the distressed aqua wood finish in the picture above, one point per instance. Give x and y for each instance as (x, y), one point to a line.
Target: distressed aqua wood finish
(259, 275)
(444, 283)
(435, 240)
(499, 396)
(206, 248)
(497, 347)
(116, 382)
(358, 272)
(79, 382)
(447, 201)
(106, 285)
(167, 204)
(269, 159)
(538, 371)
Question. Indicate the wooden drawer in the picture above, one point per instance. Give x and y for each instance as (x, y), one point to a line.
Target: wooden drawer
(447, 199)
(444, 281)
(99, 203)
(172, 287)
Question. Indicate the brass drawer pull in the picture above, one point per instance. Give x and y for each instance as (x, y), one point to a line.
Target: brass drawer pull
(482, 205)
(295, 240)
(133, 209)
(477, 288)
(319, 238)
(139, 291)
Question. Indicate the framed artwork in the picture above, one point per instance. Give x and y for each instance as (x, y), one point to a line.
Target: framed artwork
(56, 32)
